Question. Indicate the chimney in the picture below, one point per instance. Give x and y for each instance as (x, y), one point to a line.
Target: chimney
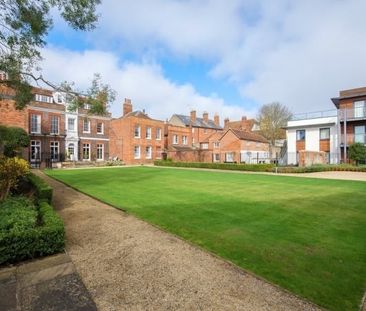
(217, 120)
(127, 106)
(205, 116)
(193, 115)
(243, 118)
(226, 122)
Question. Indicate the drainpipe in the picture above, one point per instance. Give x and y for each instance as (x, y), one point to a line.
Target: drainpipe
(345, 136)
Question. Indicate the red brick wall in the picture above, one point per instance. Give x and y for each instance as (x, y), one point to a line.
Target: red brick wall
(9, 116)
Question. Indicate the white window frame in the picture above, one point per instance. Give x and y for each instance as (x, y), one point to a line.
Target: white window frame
(137, 152)
(71, 155)
(184, 140)
(53, 117)
(324, 129)
(148, 133)
(68, 124)
(216, 144)
(204, 146)
(38, 123)
(102, 128)
(54, 146)
(297, 136)
(175, 139)
(35, 144)
(84, 122)
(229, 157)
(158, 133)
(86, 146)
(100, 147)
(44, 98)
(148, 152)
(138, 132)
(215, 159)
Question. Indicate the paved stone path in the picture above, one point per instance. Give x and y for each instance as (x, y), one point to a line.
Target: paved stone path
(50, 283)
(127, 264)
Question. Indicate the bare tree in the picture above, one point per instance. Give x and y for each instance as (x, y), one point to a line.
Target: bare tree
(272, 118)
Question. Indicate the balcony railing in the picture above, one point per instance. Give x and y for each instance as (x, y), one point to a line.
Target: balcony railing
(314, 115)
(353, 138)
(357, 113)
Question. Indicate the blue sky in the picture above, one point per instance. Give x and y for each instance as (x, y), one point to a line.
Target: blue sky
(226, 57)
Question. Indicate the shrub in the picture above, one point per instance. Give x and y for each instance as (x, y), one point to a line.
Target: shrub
(43, 190)
(11, 169)
(357, 152)
(12, 140)
(221, 166)
(22, 238)
(319, 168)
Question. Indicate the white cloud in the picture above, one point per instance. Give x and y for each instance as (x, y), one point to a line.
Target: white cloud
(144, 83)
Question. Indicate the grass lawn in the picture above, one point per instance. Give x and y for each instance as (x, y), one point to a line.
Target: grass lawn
(306, 235)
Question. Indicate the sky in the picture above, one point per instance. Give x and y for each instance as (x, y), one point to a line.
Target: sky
(226, 57)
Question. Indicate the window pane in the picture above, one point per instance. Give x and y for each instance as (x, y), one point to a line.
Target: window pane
(325, 133)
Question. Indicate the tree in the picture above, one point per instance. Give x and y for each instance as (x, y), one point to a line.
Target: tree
(12, 140)
(23, 27)
(357, 152)
(271, 119)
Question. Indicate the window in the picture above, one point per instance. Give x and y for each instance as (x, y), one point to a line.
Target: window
(324, 133)
(36, 123)
(216, 157)
(100, 153)
(35, 150)
(300, 135)
(204, 146)
(54, 150)
(216, 144)
(148, 154)
(54, 124)
(360, 134)
(137, 131)
(359, 109)
(158, 133)
(71, 152)
(86, 152)
(86, 126)
(100, 128)
(148, 133)
(229, 157)
(43, 98)
(175, 139)
(87, 106)
(137, 154)
(184, 140)
(71, 124)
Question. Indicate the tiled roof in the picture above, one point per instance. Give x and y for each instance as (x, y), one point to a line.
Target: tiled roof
(214, 136)
(198, 123)
(245, 125)
(244, 135)
(138, 114)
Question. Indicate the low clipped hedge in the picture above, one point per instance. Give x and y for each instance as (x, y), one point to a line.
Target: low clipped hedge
(219, 166)
(30, 229)
(320, 168)
(43, 190)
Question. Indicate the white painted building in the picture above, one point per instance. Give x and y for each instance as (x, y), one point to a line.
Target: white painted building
(313, 134)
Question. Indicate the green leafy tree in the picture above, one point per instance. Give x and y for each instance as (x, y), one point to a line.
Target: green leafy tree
(24, 25)
(272, 118)
(357, 152)
(12, 140)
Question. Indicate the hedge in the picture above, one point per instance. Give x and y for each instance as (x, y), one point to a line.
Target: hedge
(45, 238)
(43, 190)
(219, 166)
(319, 168)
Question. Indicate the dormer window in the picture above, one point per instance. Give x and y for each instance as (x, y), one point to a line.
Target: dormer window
(43, 98)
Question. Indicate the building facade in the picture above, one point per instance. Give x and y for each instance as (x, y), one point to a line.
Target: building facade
(135, 137)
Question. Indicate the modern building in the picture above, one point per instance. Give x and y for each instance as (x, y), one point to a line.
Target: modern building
(135, 137)
(351, 107)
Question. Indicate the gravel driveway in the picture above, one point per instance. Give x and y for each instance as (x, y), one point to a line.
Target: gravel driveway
(128, 264)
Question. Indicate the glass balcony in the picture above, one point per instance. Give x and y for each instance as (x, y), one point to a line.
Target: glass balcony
(357, 113)
(353, 138)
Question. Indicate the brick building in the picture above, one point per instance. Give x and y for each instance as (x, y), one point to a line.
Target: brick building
(53, 130)
(135, 138)
(187, 137)
(242, 147)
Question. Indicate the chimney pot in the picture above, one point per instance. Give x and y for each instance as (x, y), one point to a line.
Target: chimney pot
(127, 106)
(226, 122)
(193, 115)
(217, 120)
(205, 116)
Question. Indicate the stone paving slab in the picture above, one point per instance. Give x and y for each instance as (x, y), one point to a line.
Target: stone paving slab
(51, 283)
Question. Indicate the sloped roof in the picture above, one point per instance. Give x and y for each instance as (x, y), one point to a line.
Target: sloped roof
(245, 135)
(213, 136)
(244, 125)
(137, 114)
(198, 123)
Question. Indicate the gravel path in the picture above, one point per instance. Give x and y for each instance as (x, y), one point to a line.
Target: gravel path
(127, 264)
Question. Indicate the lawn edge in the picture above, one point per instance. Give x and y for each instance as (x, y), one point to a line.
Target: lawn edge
(230, 263)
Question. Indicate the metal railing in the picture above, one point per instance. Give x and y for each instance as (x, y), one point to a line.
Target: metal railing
(357, 113)
(314, 115)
